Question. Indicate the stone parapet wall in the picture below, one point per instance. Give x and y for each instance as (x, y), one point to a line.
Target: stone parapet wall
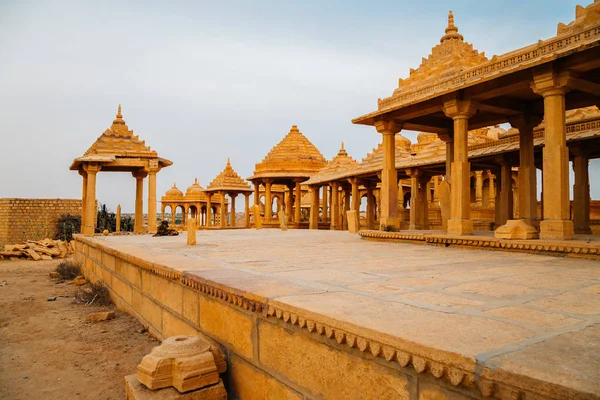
(33, 219)
(275, 352)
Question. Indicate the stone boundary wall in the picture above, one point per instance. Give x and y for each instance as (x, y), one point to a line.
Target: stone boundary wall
(274, 353)
(33, 219)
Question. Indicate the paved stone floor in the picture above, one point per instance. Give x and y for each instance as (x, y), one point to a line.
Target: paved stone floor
(534, 315)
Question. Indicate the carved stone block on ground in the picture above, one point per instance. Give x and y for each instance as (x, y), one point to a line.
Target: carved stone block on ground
(353, 221)
(134, 390)
(184, 362)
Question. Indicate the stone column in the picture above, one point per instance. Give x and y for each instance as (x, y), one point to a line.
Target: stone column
(479, 188)
(344, 216)
(460, 222)
(223, 216)
(418, 200)
(173, 213)
(90, 199)
(436, 193)
(492, 191)
(118, 217)
(556, 223)
(581, 192)
(324, 204)
(247, 210)
(83, 199)
(298, 201)
(256, 192)
(335, 206)
(389, 176)
(289, 205)
(232, 197)
(268, 200)
(355, 195)
(449, 140)
(523, 227)
(209, 209)
(370, 207)
(314, 207)
(505, 208)
(152, 226)
(139, 200)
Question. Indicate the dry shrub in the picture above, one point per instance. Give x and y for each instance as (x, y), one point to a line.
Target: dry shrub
(93, 293)
(68, 270)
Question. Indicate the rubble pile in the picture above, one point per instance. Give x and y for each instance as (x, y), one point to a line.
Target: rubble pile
(46, 249)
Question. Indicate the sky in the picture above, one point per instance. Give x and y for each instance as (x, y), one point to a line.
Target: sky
(201, 81)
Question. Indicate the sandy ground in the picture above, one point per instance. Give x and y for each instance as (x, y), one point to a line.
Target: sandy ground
(49, 351)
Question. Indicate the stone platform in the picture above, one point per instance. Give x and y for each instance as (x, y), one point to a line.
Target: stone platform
(324, 314)
(582, 246)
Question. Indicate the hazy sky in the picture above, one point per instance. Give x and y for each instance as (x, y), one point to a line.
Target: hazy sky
(201, 81)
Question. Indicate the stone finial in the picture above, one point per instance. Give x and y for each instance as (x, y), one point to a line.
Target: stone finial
(184, 362)
(451, 30)
(342, 151)
(119, 118)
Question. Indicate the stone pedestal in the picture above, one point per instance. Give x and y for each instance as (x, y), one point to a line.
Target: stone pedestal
(516, 229)
(353, 221)
(191, 232)
(388, 221)
(282, 221)
(134, 390)
(184, 362)
(257, 218)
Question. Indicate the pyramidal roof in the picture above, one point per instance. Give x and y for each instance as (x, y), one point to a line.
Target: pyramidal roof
(293, 156)
(342, 162)
(229, 180)
(119, 140)
(447, 58)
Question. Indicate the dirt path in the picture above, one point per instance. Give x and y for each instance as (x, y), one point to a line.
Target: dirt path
(49, 351)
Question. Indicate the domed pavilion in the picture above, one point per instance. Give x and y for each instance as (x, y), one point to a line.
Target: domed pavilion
(229, 183)
(292, 161)
(119, 150)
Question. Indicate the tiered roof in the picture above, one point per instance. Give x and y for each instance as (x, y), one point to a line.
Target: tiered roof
(229, 181)
(118, 142)
(295, 156)
(339, 164)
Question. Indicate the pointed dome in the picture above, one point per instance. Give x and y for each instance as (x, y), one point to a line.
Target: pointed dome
(229, 181)
(194, 189)
(451, 56)
(338, 164)
(174, 192)
(294, 156)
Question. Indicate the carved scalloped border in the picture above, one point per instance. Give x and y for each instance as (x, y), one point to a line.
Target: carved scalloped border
(475, 242)
(236, 300)
(455, 376)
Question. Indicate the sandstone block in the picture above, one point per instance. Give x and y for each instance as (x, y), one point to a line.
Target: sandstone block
(184, 362)
(101, 316)
(516, 229)
(282, 221)
(134, 390)
(191, 232)
(257, 218)
(353, 221)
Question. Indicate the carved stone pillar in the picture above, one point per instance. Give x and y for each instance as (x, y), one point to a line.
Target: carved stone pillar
(355, 195)
(90, 199)
(290, 204)
(256, 192)
(418, 200)
(223, 217)
(83, 198)
(314, 207)
(268, 200)
(389, 176)
(556, 223)
(492, 191)
(298, 201)
(139, 176)
(460, 222)
(581, 192)
(209, 209)
(335, 206)
(324, 204)
(152, 171)
(118, 219)
(232, 197)
(479, 188)
(436, 194)
(370, 207)
(247, 210)
(347, 192)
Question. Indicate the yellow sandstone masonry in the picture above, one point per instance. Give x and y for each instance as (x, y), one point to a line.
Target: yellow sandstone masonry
(329, 373)
(172, 325)
(166, 292)
(148, 309)
(227, 325)
(123, 289)
(190, 305)
(130, 273)
(249, 383)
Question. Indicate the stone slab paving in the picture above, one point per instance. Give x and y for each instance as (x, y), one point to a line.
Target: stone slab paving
(531, 317)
